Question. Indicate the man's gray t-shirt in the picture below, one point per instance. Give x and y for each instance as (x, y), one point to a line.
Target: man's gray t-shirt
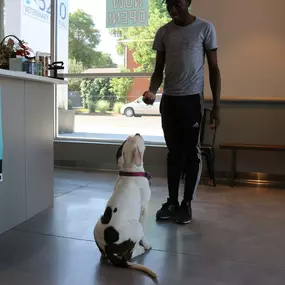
(185, 48)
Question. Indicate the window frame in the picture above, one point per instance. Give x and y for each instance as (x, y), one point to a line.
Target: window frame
(53, 48)
(2, 31)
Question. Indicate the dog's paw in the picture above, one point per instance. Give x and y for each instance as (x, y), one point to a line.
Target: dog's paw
(139, 250)
(146, 245)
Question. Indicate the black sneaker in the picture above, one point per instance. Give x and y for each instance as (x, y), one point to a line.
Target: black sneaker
(184, 215)
(167, 211)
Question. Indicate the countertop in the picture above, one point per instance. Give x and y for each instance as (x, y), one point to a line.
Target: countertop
(29, 77)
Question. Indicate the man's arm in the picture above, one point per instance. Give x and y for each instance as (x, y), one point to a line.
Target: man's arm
(215, 76)
(157, 76)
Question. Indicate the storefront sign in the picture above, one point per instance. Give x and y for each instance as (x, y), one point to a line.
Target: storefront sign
(127, 13)
(1, 139)
(40, 9)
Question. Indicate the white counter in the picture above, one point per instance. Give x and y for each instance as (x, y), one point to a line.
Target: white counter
(28, 133)
(29, 77)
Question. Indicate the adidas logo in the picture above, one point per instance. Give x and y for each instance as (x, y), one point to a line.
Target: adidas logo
(196, 125)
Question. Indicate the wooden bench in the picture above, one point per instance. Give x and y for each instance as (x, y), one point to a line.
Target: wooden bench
(234, 147)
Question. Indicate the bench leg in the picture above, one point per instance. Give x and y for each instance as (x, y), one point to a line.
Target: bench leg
(214, 172)
(233, 172)
(210, 160)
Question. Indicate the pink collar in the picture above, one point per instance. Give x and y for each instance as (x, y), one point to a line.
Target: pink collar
(135, 174)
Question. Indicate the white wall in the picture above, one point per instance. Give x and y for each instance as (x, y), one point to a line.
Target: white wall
(251, 43)
(29, 20)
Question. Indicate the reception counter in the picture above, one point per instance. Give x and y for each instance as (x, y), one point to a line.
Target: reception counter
(28, 131)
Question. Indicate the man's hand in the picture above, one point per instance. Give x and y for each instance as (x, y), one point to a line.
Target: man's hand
(215, 115)
(149, 97)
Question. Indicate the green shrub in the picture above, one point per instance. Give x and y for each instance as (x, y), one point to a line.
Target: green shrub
(103, 106)
(91, 107)
(96, 90)
(69, 104)
(117, 107)
(74, 66)
(121, 87)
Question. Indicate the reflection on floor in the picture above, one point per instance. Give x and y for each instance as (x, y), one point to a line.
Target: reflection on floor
(236, 238)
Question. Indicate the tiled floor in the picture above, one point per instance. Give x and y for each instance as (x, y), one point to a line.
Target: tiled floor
(236, 238)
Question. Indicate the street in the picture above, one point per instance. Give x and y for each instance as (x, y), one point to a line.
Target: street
(117, 127)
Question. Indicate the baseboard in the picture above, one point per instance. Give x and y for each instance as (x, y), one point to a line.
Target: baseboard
(255, 179)
(222, 177)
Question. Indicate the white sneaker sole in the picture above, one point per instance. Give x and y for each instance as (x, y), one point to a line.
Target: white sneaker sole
(164, 218)
(183, 223)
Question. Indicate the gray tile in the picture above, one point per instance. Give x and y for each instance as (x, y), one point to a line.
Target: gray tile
(235, 238)
(61, 191)
(66, 181)
(225, 224)
(84, 177)
(45, 260)
(73, 215)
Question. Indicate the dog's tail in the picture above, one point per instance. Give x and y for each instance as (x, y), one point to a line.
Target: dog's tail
(142, 268)
(122, 262)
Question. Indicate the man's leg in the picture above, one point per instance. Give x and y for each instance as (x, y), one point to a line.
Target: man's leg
(193, 160)
(171, 127)
(174, 169)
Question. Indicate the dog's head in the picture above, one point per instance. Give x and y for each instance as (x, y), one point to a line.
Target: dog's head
(130, 153)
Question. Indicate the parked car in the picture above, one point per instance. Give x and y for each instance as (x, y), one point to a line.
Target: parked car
(139, 108)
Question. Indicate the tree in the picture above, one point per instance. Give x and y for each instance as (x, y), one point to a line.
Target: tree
(104, 60)
(74, 67)
(86, 88)
(84, 38)
(121, 87)
(96, 90)
(141, 38)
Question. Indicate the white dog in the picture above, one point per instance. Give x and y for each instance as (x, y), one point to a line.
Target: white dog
(119, 234)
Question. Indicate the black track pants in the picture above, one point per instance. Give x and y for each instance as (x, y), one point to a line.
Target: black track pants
(181, 120)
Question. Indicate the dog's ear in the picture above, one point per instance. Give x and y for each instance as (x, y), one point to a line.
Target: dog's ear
(119, 155)
(121, 161)
(137, 157)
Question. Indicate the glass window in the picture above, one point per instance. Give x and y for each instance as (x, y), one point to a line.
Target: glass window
(2, 32)
(158, 98)
(101, 45)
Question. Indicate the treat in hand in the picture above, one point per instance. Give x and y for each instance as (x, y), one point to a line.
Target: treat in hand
(148, 97)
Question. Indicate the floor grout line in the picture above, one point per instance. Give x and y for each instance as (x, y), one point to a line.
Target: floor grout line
(223, 259)
(51, 235)
(79, 187)
(160, 250)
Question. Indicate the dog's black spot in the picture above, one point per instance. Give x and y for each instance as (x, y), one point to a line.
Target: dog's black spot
(120, 151)
(111, 235)
(119, 254)
(115, 210)
(106, 218)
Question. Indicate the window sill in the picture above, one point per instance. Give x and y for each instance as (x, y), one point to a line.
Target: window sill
(103, 142)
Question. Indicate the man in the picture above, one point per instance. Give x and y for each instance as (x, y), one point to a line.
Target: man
(181, 46)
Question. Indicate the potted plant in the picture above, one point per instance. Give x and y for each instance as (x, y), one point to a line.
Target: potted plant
(12, 49)
(66, 118)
